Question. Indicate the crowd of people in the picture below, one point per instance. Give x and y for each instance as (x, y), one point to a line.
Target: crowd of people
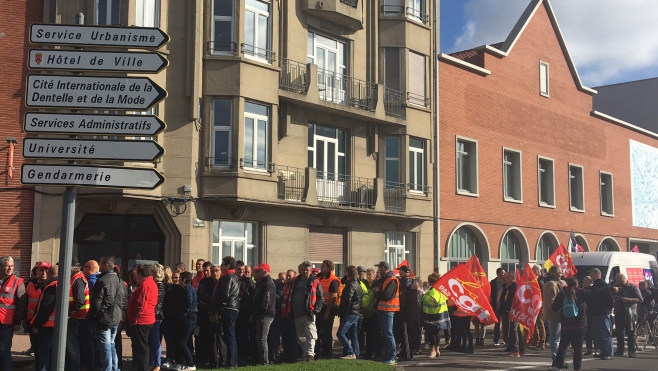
(222, 316)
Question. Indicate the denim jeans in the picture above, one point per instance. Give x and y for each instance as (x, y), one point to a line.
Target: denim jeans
(73, 345)
(603, 335)
(155, 344)
(6, 335)
(228, 326)
(183, 333)
(554, 329)
(106, 349)
(388, 340)
(349, 324)
(263, 325)
(45, 349)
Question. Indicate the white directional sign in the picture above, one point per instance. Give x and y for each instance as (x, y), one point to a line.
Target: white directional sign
(93, 92)
(92, 149)
(113, 36)
(93, 176)
(92, 124)
(86, 60)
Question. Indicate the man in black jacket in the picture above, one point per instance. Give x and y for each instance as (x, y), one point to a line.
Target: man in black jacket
(600, 311)
(513, 337)
(626, 301)
(496, 289)
(244, 337)
(227, 303)
(263, 309)
(43, 323)
(107, 299)
(406, 320)
(349, 312)
(304, 302)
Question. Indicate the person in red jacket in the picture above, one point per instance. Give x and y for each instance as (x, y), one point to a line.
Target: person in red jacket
(141, 315)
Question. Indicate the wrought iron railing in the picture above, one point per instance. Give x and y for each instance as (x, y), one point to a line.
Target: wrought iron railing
(220, 162)
(352, 3)
(291, 183)
(419, 100)
(393, 102)
(258, 53)
(419, 188)
(345, 190)
(392, 10)
(395, 197)
(222, 47)
(401, 11)
(248, 163)
(418, 15)
(293, 76)
(346, 90)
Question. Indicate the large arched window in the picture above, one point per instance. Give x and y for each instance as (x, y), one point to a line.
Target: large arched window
(545, 248)
(510, 252)
(463, 244)
(608, 244)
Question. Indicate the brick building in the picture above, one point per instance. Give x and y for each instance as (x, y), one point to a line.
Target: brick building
(524, 159)
(17, 202)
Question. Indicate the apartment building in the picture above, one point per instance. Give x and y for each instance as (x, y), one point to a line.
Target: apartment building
(296, 130)
(525, 159)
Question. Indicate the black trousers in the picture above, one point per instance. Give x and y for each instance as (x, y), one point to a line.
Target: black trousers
(325, 333)
(274, 339)
(575, 339)
(625, 325)
(373, 336)
(205, 348)
(466, 334)
(455, 332)
(496, 331)
(139, 335)
(403, 336)
(242, 332)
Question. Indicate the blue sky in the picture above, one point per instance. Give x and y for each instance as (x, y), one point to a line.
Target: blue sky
(610, 41)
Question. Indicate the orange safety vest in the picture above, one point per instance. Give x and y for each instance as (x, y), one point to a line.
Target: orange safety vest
(51, 317)
(325, 283)
(392, 305)
(81, 313)
(7, 294)
(33, 294)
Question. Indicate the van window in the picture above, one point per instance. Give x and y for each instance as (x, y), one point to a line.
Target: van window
(613, 273)
(583, 270)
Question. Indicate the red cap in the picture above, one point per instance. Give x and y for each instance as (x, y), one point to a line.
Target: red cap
(263, 266)
(43, 265)
(315, 270)
(116, 267)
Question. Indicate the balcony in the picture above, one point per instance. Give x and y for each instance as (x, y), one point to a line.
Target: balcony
(345, 190)
(393, 103)
(222, 47)
(260, 54)
(291, 183)
(418, 100)
(255, 165)
(346, 13)
(395, 197)
(346, 90)
(404, 12)
(292, 77)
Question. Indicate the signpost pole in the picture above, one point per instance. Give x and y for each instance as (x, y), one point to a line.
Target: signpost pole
(64, 278)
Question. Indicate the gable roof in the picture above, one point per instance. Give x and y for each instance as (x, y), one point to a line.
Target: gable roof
(504, 49)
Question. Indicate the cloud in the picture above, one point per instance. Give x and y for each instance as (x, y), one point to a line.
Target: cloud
(609, 40)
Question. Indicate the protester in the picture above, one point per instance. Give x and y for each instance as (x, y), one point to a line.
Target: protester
(155, 335)
(435, 316)
(304, 302)
(172, 296)
(13, 308)
(388, 303)
(570, 304)
(43, 322)
(370, 317)
(263, 309)
(349, 312)
(406, 320)
(77, 312)
(32, 291)
(325, 321)
(601, 310)
(246, 295)
(626, 301)
(496, 290)
(538, 341)
(282, 278)
(200, 273)
(552, 287)
(206, 349)
(226, 302)
(514, 338)
(107, 300)
(141, 315)
(186, 316)
(592, 346)
(288, 333)
(88, 349)
(274, 336)
(361, 277)
(179, 267)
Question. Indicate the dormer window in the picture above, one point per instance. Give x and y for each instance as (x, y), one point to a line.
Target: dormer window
(543, 79)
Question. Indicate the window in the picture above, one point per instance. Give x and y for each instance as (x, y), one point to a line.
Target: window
(512, 175)
(545, 247)
(107, 12)
(222, 117)
(147, 13)
(331, 58)
(256, 130)
(416, 86)
(257, 30)
(239, 240)
(510, 252)
(467, 178)
(543, 79)
(417, 164)
(576, 191)
(416, 10)
(607, 245)
(393, 8)
(400, 247)
(607, 198)
(463, 244)
(392, 166)
(222, 42)
(546, 182)
(392, 69)
(326, 150)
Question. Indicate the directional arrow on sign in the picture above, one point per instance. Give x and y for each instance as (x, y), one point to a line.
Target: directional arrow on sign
(92, 124)
(86, 60)
(113, 36)
(91, 176)
(93, 92)
(92, 149)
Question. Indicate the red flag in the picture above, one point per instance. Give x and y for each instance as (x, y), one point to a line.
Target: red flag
(396, 271)
(636, 249)
(562, 258)
(518, 276)
(527, 301)
(461, 288)
(474, 266)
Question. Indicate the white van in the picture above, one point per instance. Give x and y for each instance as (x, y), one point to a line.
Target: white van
(636, 266)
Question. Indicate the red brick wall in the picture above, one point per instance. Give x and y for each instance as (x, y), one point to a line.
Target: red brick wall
(17, 203)
(505, 109)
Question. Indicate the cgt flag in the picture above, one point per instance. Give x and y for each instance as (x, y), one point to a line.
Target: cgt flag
(473, 265)
(562, 258)
(527, 301)
(461, 288)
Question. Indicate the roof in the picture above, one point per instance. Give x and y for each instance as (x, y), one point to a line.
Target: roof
(470, 55)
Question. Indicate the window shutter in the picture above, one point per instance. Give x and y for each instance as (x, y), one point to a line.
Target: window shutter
(392, 68)
(325, 244)
(417, 76)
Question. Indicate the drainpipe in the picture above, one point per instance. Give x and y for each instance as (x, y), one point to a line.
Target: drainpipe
(437, 244)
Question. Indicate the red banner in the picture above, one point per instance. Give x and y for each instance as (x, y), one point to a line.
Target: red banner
(396, 271)
(461, 288)
(527, 301)
(562, 258)
(473, 266)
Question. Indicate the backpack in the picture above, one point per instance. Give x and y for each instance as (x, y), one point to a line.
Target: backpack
(569, 307)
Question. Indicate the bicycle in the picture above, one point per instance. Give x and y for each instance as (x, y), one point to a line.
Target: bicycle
(648, 332)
